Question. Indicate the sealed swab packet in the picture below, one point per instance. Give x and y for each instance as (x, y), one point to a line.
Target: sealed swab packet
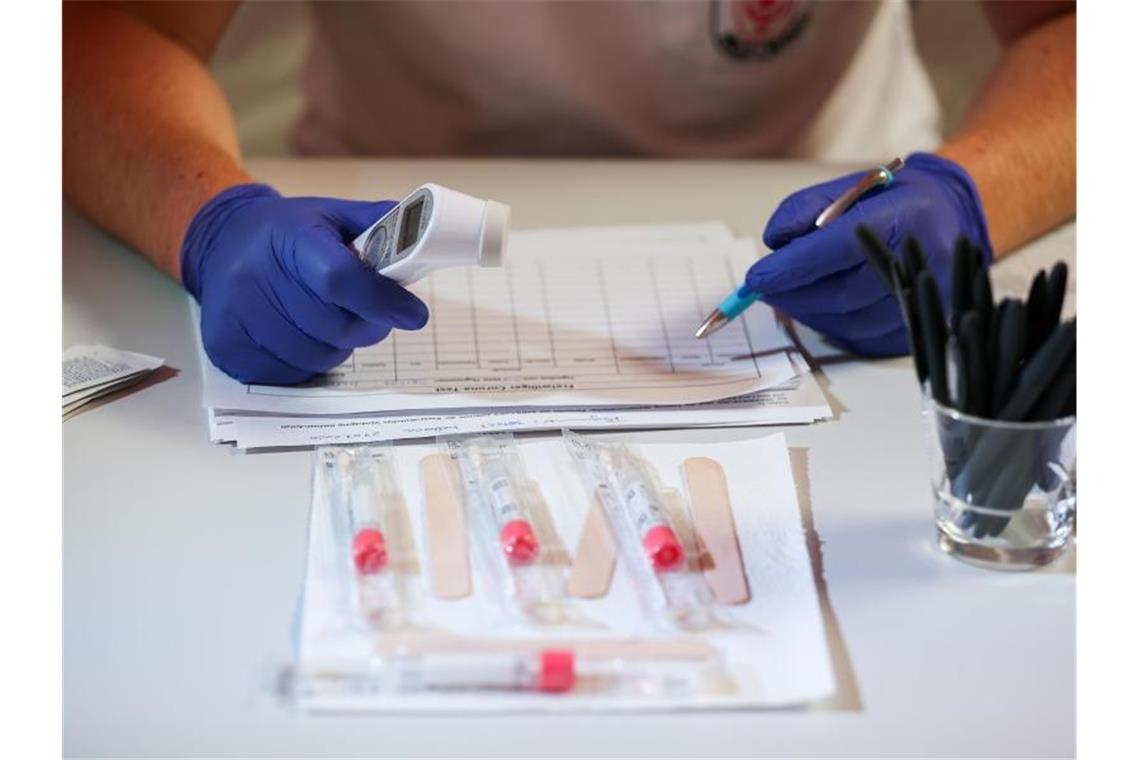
(421, 666)
(498, 495)
(360, 488)
(552, 671)
(669, 585)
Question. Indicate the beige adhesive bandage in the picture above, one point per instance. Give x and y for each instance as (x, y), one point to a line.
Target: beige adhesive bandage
(716, 530)
(594, 560)
(446, 525)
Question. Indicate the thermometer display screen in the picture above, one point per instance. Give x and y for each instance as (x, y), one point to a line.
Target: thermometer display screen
(410, 224)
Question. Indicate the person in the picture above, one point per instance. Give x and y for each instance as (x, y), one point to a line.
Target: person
(150, 150)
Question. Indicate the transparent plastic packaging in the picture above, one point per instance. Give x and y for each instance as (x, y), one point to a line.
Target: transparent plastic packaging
(670, 586)
(561, 673)
(360, 487)
(501, 516)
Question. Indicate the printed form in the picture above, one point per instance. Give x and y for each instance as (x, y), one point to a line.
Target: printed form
(564, 324)
(798, 402)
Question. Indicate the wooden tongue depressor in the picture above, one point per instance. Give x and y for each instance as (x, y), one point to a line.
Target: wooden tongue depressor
(715, 528)
(671, 648)
(446, 522)
(595, 557)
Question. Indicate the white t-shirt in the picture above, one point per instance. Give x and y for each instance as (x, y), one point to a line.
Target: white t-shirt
(830, 80)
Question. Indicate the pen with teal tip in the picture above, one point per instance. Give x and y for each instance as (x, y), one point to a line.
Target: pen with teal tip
(742, 297)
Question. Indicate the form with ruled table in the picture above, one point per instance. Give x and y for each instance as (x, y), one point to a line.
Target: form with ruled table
(561, 325)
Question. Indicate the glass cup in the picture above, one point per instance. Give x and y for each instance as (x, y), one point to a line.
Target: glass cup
(1005, 493)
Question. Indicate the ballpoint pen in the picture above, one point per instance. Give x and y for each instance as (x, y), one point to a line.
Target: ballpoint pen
(933, 335)
(993, 335)
(914, 262)
(880, 258)
(914, 326)
(896, 276)
(1037, 314)
(742, 297)
(977, 364)
(962, 283)
(1010, 352)
(1039, 373)
(984, 306)
(1058, 277)
(1052, 402)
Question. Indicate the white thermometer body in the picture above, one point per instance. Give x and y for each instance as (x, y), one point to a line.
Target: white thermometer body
(435, 227)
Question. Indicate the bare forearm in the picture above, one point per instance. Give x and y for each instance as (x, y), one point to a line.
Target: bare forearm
(148, 136)
(1018, 140)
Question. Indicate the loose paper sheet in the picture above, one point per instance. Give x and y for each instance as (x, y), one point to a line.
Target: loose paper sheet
(87, 367)
(92, 372)
(774, 645)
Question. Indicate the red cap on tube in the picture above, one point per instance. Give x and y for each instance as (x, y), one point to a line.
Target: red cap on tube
(556, 673)
(369, 551)
(663, 548)
(518, 542)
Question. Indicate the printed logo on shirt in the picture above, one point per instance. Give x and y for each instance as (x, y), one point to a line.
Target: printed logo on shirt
(756, 29)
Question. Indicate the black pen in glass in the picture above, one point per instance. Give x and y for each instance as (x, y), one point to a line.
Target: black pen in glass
(741, 298)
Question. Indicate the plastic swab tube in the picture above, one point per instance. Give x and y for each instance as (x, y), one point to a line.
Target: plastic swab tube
(369, 545)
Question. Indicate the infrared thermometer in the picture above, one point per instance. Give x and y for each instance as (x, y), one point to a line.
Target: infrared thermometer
(435, 227)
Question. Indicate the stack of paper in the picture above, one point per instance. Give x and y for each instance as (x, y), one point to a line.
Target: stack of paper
(584, 328)
(91, 372)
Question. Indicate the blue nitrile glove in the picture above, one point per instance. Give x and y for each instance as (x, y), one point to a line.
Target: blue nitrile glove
(283, 296)
(820, 277)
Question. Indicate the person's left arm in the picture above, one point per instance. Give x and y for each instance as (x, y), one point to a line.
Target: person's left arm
(1019, 138)
(1005, 177)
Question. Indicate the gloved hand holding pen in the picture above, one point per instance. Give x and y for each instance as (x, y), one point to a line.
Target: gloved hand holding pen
(283, 296)
(819, 275)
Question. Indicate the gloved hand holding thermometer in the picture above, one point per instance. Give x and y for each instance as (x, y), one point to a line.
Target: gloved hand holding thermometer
(284, 297)
(818, 275)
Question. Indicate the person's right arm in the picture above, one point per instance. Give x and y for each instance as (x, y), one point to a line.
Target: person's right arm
(148, 137)
(150, 153)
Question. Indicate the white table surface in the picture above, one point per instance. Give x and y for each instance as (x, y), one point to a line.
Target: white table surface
(183, 560)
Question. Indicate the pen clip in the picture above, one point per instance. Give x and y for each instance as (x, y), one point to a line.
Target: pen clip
(881, 175)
